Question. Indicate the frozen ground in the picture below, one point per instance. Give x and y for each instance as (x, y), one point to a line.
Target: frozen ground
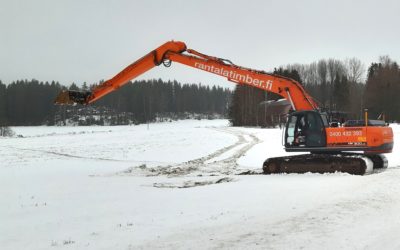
(176, 186)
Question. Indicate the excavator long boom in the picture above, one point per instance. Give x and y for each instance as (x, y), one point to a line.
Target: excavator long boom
(177, 52)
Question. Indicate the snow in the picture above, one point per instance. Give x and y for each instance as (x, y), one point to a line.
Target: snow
(175, 185)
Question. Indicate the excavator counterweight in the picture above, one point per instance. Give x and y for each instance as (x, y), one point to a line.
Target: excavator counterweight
(355, 149)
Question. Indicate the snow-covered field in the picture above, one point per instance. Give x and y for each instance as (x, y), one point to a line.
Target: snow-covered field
(176, 186)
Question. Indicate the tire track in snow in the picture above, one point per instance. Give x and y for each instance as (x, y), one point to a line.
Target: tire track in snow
(205, 166)
(63, 154)
(341, 219)
(365, 218)
(78, 156)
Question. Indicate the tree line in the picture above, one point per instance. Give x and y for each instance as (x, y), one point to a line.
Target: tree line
(148, 99)
(337, 85)
(30, 102)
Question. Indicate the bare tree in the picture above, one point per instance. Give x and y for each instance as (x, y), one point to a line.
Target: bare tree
(323, 80)
(355, 70)
(335, 68)
(385, 60)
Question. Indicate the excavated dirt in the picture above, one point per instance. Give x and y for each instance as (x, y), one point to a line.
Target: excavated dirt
(191, 183)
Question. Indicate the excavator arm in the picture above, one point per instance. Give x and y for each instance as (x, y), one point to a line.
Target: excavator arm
(174, 51)
(142, 65)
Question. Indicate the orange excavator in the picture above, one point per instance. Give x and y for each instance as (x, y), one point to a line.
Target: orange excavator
(356, 147)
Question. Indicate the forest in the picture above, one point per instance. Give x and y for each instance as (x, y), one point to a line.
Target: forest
(30, 102)
(341, 86)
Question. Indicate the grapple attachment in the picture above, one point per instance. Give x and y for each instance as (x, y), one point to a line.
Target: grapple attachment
(71, 97)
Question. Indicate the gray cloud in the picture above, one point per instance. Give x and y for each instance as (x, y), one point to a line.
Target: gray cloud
(87, 40)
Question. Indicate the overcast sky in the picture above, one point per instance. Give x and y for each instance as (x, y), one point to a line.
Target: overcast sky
(88, 40)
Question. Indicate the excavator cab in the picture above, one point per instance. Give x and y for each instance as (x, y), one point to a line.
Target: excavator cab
(305, 129)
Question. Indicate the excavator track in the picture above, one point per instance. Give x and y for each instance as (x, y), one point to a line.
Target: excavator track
(356, 164)
(379, 161)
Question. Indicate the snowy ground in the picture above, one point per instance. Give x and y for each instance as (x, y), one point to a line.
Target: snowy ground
(176, 186)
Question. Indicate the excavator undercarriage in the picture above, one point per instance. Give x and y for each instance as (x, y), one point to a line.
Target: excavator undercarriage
(352, 163)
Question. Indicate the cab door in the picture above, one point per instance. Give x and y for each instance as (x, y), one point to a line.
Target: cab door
(305, 129)
(315, 130)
